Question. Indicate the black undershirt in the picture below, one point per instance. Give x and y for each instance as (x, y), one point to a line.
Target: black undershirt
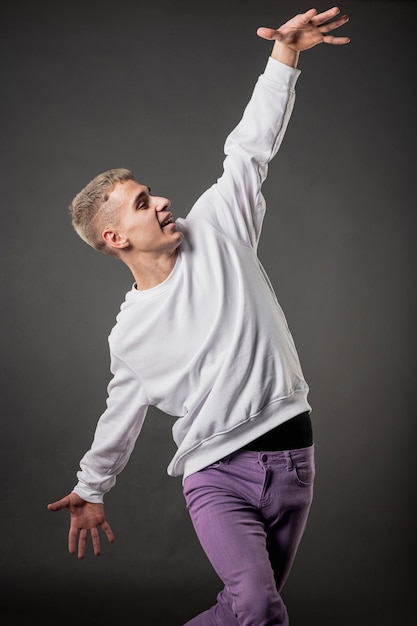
(291, 435)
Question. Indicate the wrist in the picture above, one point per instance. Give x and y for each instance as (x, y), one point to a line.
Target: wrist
(284, 54)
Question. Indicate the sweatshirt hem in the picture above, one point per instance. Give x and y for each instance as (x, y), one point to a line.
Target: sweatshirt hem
(222, 444)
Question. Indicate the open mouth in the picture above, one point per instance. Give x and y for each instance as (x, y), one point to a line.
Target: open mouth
(167, 220)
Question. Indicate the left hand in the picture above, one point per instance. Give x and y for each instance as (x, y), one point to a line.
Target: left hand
(308, 29)
(85, 517)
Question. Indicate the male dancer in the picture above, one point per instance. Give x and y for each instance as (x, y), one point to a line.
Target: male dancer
(202, 337)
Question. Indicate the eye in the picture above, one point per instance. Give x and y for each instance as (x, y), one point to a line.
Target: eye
(143, 204)
(142, 200)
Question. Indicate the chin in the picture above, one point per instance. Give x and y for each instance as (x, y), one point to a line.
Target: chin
(180, 237)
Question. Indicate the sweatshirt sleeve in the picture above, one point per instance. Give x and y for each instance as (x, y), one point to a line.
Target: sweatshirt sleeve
(234, 204)
(115, 435)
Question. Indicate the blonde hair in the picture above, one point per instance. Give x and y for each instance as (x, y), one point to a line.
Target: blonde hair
(91, 212)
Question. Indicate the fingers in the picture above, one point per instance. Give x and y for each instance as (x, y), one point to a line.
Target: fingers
(82, 542)
(338, 41)
(72, 539)
(306, 25)
(320, 18)
(325, 28)
(299, 21)
(308, 16)
(108, 531)
(81, 534)
(96, 541)
(325, 23)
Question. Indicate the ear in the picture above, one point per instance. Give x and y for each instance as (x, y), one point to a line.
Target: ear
(115, 240)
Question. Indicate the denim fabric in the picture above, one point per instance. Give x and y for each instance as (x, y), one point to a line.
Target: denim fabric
(249, 511)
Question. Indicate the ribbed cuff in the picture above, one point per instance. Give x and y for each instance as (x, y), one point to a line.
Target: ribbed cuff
(279, 72)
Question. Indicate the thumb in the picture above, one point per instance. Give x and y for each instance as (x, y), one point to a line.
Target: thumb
(59, 504)
(269, 33)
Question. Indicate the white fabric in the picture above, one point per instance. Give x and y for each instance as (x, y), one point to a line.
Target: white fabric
(210, 345)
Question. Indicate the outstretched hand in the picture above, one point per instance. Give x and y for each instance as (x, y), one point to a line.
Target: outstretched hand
(85, 517)
(306, 30)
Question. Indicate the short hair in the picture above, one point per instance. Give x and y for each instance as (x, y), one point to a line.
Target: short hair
(89, 213)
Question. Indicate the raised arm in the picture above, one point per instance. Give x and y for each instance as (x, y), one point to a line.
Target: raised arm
(302, 32)
(235, 204)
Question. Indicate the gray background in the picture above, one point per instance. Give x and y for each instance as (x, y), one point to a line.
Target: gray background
(156, 86)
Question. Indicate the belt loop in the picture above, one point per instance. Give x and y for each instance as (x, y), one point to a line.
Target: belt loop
(290, 464)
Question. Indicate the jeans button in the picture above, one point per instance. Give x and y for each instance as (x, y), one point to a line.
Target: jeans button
(264, 458)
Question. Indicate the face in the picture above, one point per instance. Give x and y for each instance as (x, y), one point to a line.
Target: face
(145, 223)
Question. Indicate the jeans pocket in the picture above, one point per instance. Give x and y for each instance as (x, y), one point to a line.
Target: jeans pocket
(304, 469)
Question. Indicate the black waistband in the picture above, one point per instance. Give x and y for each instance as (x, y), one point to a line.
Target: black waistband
(295, 433)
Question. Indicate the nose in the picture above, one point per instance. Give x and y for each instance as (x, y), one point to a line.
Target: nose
(162, 204)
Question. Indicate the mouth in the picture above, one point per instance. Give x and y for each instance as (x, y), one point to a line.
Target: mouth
(168, 220)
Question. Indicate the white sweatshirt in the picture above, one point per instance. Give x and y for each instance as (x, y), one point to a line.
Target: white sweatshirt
(210, 345)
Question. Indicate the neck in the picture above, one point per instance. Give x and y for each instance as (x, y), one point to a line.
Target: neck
(149, 270)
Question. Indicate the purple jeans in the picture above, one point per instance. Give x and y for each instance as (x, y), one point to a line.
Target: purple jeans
(249, 511)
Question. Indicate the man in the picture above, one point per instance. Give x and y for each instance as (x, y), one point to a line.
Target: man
(202, 337)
